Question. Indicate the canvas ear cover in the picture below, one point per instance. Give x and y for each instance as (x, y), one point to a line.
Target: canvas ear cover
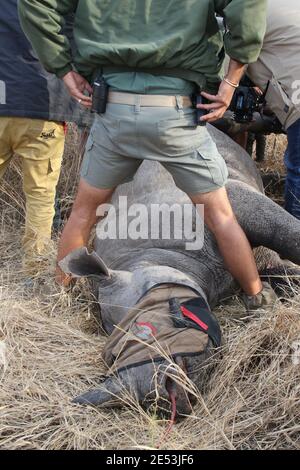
(81, 263)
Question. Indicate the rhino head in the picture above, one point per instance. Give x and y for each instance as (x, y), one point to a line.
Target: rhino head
(148, 384)
(156, 381)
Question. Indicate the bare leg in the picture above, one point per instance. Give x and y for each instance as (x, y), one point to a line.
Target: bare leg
(232, 241)
(82, 219)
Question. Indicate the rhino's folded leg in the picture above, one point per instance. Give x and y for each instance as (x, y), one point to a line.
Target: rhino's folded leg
(265, 222)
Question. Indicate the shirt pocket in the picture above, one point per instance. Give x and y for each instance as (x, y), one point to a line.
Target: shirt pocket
(279, 101)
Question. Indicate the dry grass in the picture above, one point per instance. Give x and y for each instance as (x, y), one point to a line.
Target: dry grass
(273, 168)
(276, 145)
(50, 350)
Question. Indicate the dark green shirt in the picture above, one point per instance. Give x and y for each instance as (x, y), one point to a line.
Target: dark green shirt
(178, 38)
(144, 83)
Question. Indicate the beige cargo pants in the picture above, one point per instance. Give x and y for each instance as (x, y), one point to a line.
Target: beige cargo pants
(40, 144)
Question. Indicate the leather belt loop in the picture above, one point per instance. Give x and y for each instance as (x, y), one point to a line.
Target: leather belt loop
(179, 102)
(137, 106)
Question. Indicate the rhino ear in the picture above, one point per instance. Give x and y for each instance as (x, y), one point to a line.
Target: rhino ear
(108, 393)
(81, 263)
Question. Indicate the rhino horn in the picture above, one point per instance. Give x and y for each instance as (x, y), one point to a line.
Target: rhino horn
(81, 263)
(107, 393)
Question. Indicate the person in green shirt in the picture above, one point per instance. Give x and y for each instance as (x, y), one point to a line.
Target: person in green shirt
(153, 55)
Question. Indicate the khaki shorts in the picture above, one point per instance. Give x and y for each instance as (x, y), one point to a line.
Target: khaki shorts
(126, 135)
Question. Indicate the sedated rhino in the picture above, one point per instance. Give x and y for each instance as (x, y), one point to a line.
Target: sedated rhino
(156, 296)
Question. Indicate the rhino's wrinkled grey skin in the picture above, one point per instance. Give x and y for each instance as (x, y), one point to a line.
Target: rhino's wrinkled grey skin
(152, 382)
(146, 387)
(133, 267)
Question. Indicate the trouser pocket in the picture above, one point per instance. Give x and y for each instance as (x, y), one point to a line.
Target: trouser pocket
(215, 166)
(179, 134)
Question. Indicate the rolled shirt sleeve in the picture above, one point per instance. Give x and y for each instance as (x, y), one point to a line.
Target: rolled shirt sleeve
(42, 22)
(245, 27)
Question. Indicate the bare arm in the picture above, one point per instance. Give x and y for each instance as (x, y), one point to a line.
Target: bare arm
(43, 22)
(245, 28)
(220, 102)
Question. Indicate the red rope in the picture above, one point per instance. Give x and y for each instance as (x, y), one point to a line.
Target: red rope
(168, 431)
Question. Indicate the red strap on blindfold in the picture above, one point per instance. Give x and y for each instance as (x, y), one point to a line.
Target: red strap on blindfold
(187, 313)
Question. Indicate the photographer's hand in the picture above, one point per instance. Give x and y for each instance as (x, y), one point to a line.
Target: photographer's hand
(76, 86)
(221, 102)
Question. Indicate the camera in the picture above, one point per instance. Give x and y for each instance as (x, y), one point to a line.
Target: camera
(246, 101)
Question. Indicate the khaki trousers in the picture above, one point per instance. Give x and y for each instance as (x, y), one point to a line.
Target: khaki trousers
(40, 144)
